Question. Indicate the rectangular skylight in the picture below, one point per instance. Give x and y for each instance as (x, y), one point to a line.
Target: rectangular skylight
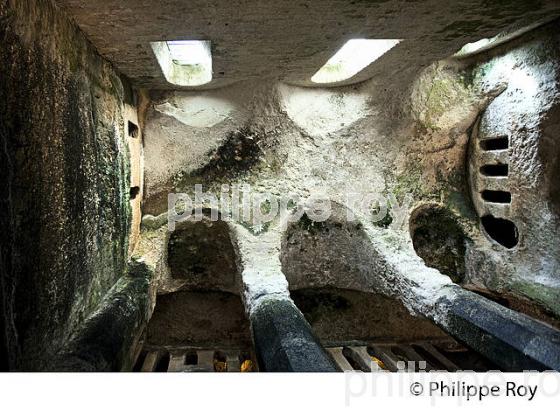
(190, 52)
(186, 63)
(352, 58)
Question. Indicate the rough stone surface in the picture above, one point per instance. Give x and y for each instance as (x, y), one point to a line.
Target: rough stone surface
(199, 319)
(400, 128)
(339, 316)
(136, 150)
(64, 209)
(439, 240)
(201, 255)
(291, 40)
(512, 340)
(107, 339)
(284, 341)
(420, 157)
(334, 253)
(527, 112)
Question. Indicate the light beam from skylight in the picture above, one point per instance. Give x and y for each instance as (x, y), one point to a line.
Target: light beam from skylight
(190, 52)
(352, 58)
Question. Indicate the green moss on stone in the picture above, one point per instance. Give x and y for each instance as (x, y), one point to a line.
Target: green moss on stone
(545, 295)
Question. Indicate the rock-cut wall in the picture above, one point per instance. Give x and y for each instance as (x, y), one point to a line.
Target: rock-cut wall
(64, 180)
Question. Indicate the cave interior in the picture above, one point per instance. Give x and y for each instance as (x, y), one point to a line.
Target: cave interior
(319, 186)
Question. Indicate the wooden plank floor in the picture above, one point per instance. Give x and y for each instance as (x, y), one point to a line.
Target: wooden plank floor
(410, 357)
(195, 360)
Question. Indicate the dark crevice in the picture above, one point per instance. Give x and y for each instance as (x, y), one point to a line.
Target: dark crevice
(501, 230)
(163, 363)
(134, 191)
(429, 358)
(495, 144)
(495, 170)
(220, 362)
(140, 361)
(518, 304)
(191, 358)
(498, 197)
(132, 130)
(439, 240)
(467, 359)
(350, 359)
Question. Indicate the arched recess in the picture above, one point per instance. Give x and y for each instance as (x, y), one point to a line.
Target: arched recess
(202, 255)
(201, 324)
(439, 240)
(330, 267)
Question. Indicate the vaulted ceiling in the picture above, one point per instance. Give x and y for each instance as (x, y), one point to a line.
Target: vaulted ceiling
(291, 40)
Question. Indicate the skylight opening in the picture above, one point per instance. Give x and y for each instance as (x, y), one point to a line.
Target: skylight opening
(486, 44)
(471, 48)
(194, 53)
(352, 58)
(185, 63)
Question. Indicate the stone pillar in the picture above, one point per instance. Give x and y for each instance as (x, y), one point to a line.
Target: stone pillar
(512, 340)
(284, 341)
(107, 339)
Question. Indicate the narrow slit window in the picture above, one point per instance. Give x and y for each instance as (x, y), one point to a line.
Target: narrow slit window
(495, 144)
(132, 130)
(134, 191)
(352, 58)
(498, 197)
(495, 170)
